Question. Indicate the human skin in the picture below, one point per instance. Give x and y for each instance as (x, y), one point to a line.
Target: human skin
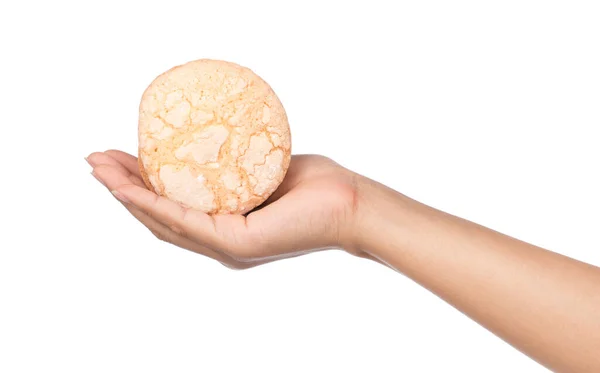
(544, 304)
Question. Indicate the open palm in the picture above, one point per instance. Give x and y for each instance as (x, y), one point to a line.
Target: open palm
(311, 210)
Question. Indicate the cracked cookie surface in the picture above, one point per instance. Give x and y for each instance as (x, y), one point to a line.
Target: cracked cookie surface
(213, 136)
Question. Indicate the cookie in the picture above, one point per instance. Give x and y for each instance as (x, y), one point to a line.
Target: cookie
(213, 136)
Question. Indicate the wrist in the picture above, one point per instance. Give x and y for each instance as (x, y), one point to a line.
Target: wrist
(382, 218)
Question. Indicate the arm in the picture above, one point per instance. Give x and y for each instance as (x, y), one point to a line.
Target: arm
(544, 304)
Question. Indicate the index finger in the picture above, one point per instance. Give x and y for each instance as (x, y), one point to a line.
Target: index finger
(127, 160)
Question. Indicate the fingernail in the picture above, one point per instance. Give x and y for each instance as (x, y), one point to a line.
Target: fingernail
(98, 178)
(87, 159)
(120, 196)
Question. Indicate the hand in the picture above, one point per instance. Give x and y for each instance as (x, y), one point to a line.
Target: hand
(312, 210)
(495, 279)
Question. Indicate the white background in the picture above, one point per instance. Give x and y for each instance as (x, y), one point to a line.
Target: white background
(487, 110)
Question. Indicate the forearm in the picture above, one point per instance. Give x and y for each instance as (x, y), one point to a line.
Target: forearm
(543, 303)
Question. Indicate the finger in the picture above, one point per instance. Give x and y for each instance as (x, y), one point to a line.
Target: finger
(165, 234)
(97, 159)
(215, 233)
(113, 177)
(220, 232)
(127, 160)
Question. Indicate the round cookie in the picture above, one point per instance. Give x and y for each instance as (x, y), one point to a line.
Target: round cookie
(213, 136)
